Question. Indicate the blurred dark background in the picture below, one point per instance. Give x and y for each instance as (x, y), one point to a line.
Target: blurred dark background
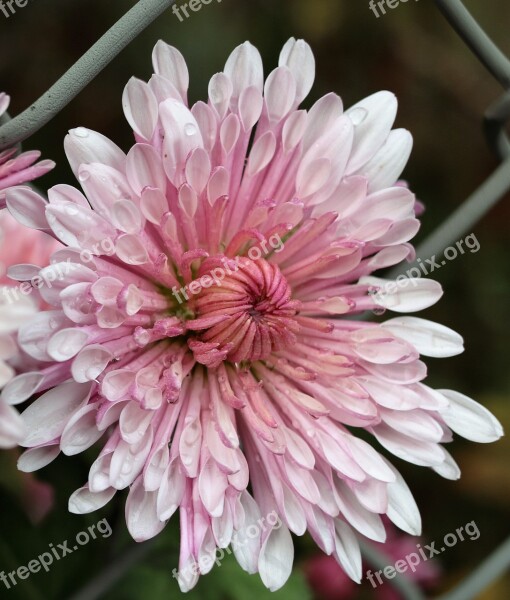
(443, 92)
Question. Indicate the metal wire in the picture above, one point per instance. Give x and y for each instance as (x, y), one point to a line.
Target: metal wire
(489, 571)
(475, 37)
(82, 72)
(462, 220)
(496, 118)
(379, 560)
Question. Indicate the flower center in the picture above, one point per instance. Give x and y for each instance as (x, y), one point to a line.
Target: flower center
(244, 311)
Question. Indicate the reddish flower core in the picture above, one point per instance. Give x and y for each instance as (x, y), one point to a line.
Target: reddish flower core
(243, 313)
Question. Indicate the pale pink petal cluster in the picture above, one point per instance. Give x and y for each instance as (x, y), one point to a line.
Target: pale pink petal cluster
(32, 249)
(237, 401)
(17, 244)
(15, 168)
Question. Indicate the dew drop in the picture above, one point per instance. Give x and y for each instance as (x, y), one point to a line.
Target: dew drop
(72, 210)
(81, 132)
(142, 338)
(127, 464)
(358, 115)
(79, 439)
(186, 460)
(84, 175)
(216, 96)
(190, 129)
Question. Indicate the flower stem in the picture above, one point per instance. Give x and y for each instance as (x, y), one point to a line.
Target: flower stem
(82, 72)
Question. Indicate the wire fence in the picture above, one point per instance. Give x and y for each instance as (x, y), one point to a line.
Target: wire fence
(453, 228)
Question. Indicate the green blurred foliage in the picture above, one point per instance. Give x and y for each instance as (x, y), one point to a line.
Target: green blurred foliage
(443, 92)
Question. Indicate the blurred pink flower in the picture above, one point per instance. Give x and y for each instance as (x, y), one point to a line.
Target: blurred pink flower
(16, 169)
(38, 498)
(21, 245)
(328, 581)
(18, 244)
(201, 332)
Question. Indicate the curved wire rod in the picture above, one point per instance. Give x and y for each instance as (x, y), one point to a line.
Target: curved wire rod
(407, 587)
(465, 217)
(475, 37)
(114, 572)
(455, 226)
(482, 576)
(82, 72)
(496, 118)
(5, 118)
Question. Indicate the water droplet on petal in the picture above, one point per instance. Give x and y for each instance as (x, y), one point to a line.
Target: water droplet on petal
(83, 175)
(216, 96)
(190, 129)
(358, 115)
(127, 464)
(81, 132)
(72, 210)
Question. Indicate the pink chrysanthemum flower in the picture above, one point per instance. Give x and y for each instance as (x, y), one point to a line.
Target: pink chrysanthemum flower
(17, 245)
(202, 330)
(17, 169)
